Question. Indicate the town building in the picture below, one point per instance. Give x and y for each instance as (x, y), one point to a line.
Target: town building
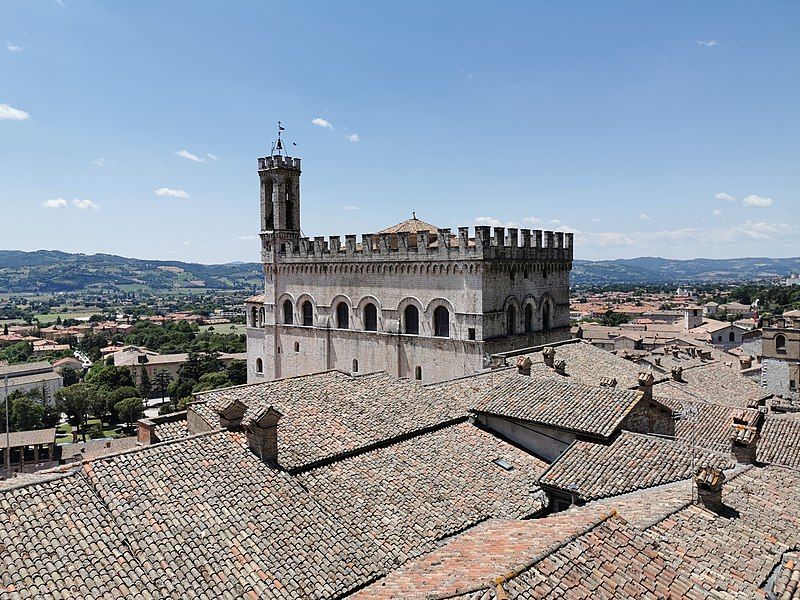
(414, 300)
(24, 377)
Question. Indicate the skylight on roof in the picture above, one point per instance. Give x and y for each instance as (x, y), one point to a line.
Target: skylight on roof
(503, 464)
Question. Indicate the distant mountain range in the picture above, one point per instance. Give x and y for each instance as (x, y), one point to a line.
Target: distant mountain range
(54, 271)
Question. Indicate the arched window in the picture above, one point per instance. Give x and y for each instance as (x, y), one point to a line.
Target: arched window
(441, 322)
(731, 337)
(288, 313)
(308, 314)
(254, 317)
(528, 318)
(287, 185)
(511, 320)
(355, 366)
(342, 316)
(269, 213)
(262, 317)
(780, 343)
(411, 320)
(418, 373)
(545, 315)
(370, 317)
(259, 365)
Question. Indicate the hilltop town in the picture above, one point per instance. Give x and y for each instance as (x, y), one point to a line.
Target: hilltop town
(419, 413)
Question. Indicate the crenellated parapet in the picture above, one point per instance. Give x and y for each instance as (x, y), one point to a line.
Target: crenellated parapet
(278, 162)
(485, 243)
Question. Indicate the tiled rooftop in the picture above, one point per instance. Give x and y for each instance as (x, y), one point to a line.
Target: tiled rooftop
(632, 461)
(208, 518)
(330, 414)
(420, 490)
(582, 408)
(713, 382)
(780, 441)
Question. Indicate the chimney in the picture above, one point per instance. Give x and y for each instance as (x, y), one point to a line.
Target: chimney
(745, 362)
(744, 433)
(524, 365)
(608, 382)
(262, 433)
(709, 481)
(145, 432)
(561, 367)
(549, 356)
(231, 414)
(645, 381)
(677, 373)
(657, 360)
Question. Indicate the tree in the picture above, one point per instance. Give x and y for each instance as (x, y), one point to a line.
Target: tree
(237, 372)
(76, 401)
(130, 409)
(162, 378)
(25, 411)
(110, 378)
(212, 381)
(115, 396)
(70, 376)
(145, 389)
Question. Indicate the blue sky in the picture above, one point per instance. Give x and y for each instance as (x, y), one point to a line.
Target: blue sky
(648, 128)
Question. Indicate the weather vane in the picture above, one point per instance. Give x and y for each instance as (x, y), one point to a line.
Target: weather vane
(278, 146)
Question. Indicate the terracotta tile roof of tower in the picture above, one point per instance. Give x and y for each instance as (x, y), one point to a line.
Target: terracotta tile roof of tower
(584, 409)
(632, 461)
(427, 488)
(332, 413)
(780, 441)
(412, 225)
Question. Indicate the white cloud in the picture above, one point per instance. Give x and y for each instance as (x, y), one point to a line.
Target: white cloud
(84, 204)
(12, 48)
(759, 201)
(352, 207)
(762, 231)
(708, 43)
(353, 137)
(717, 213)
(531, 220)
(187, 243)
(54, 203)
(605, 239)
(99, 162)
(189, 156)
(492, 222)
(247, 238)
(644, 217)
(595, 219)
(211, 157)
(61, 203)
(320, 122)
(724, 196)
(9, 113)
(173, 193)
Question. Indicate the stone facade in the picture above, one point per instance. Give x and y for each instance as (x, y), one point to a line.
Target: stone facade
(414, 300)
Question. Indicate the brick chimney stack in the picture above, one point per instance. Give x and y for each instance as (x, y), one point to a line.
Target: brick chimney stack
(549, 356)
(561, 367)
(709, 481)
(677, 373)
(608, 382)
(645, 381)
(262, 433)
(231, 414)
(744, 433)
(524, 365)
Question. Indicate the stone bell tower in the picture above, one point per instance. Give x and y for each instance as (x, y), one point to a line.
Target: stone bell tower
(280, 196)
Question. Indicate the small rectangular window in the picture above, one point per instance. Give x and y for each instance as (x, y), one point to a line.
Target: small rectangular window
(471, 333)
(503, 464)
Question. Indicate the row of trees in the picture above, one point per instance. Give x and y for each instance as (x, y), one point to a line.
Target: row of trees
(30, 410)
